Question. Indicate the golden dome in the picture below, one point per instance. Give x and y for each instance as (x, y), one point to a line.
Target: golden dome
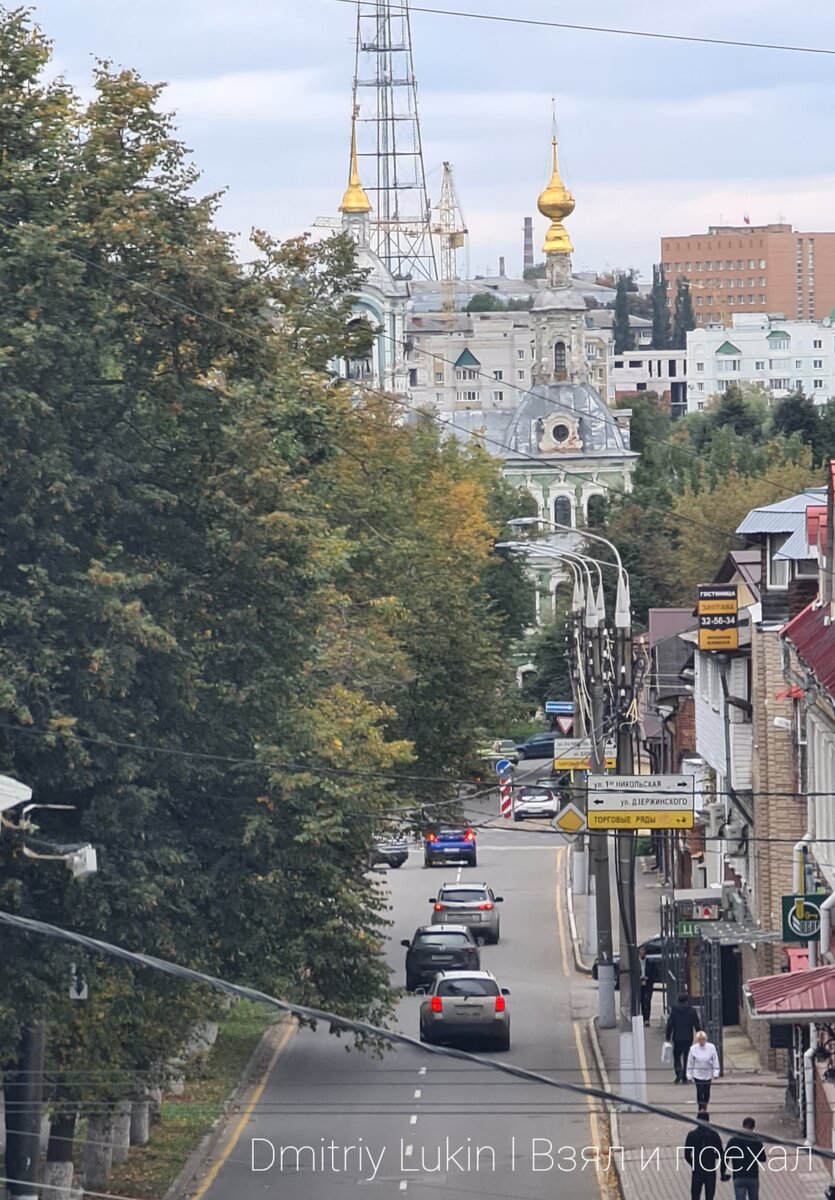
(355, 199)
(556, 203)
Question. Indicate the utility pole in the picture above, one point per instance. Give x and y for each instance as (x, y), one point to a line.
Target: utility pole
(24, 1093)
(599, 842)
(579, 860)
(632, 1048)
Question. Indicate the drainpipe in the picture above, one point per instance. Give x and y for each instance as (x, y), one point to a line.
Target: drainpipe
(826, 926)
(809, 1085)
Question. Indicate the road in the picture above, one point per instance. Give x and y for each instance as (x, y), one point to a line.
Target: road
(414, 1123)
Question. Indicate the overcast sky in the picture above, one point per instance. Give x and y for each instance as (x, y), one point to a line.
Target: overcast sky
(656, 137)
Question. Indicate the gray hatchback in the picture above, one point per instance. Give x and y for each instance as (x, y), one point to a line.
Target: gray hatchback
(472, 904)
(465, 1006)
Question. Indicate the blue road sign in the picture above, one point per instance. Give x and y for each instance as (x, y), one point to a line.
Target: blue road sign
(559, 706)
(503, 765)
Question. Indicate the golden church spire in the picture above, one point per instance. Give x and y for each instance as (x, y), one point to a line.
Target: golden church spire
(556, 203)
(355, 199)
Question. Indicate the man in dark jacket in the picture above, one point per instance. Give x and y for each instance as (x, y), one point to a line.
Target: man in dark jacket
(703, 1153)
(682, 1023)
(649, 977)
(743, 1156)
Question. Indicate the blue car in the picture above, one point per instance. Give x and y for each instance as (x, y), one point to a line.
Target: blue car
(449, 843)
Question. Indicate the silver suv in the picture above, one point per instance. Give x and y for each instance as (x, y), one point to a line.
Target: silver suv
(463, 1006)
(472, 904)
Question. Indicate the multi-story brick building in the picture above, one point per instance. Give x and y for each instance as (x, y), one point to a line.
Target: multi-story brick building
(753, 268)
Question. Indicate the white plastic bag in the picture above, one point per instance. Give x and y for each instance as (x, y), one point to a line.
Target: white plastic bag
(667, 1052)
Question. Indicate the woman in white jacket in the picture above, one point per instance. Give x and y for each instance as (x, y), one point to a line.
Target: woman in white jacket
(702, 1068)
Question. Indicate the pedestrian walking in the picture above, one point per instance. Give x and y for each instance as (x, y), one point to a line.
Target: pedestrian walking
(702, 1068)
(649, 978)
(682, 1023)
(743, 1155)
(703, 1154)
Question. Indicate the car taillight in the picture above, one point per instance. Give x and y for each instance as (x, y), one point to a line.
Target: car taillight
(469, 835)
(500, 1005)
(488, 905)
(438, 907)
(438, 1004)
(431, 837)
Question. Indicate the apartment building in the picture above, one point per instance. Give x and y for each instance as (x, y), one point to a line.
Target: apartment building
(753, 268)
(647, 370)
(469, 360)
(780, 355)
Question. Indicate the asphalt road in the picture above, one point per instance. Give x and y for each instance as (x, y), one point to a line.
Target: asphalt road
(414, 1123)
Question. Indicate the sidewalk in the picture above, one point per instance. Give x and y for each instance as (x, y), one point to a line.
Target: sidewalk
(744, 1090)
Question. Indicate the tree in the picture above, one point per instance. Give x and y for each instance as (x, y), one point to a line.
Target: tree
(661, 332)
(621, 329)
(798, 414)
(683, 317)
(485, 302)
(551, 654)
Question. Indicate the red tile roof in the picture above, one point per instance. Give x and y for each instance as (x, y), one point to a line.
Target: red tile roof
(816, 525)
(813, 637)
(794, 994)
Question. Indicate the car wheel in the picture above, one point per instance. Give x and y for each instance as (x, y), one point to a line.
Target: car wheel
(516, 817)
(397, 864)
(522, 754)
(503, 1043)
(427, 862)
(411, 983)
(473, 862)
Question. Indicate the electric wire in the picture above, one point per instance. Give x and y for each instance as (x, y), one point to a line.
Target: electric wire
(366, 1029)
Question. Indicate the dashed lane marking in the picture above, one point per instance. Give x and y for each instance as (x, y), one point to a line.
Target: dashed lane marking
(417, 1093)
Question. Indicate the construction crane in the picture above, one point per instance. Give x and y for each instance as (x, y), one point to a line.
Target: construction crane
(451, 231)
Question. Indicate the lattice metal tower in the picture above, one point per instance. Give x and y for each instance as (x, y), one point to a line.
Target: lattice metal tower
(389, 134)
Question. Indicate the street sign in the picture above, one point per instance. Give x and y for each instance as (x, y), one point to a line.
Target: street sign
(802, 917)
(506, 799)
(690, 927)
(641, 801)
(566, 724)
(552, 707)
(570, 820)
(13, 792)
(574, 754)
(718, 613)
(503, 766)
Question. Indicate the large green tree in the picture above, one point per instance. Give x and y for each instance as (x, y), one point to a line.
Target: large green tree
(684, 319)
(661, 332)
(621, 329)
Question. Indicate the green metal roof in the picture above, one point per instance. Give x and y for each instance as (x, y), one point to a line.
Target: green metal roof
(728, 348)
(467, 359)
(778, 333)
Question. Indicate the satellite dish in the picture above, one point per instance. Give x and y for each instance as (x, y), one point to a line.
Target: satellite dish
(13, 792)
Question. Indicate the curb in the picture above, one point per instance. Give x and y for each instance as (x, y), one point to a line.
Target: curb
(200, 1159)
(611, 1111)
(579, 965)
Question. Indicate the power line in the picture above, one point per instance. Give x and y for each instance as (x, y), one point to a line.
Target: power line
(378, 1033)
(613, 30)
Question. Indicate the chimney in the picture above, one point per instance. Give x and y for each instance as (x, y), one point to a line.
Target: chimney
(528, 257)
(501, 267)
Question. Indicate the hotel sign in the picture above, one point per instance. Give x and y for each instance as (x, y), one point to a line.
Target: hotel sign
(718, 613)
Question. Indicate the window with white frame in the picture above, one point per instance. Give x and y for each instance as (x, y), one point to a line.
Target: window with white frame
(467, 397)
(819, 384)
(779, 385)
(466, 373)
(520, 374)
(759, 364)
(817, 344)
(778, 568)
(498, 397)
(818, 364)
(800, 746)
(439, 377)
(520, 353)
(700, 366)
(726, 366)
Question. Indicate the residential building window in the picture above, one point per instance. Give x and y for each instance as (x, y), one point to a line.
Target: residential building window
(709, 301)
(700, 386)
(817, 344)
(819, 383)
(752, 283)
(751, 264)
(498, 374)
(818, 364)
(762, 264)
(700, 404)
(722, 385)
(700, 366)
(678, 266)
(698, 266)
(801, 762)
(618, 363)
(762, 299)
(635, 362)
(725, 366)
(750, 299)
(729, 266)
(779, 385)
(730, 283)
(413, 377)
(498, 397)
(466, 373)
(520, 374)
(763, 282)
(439, 377)
(779, 343)
(759, 365)
(439, 397)
(718, 265)
(730, 299)
(798, 384)
(467, 397)
(778, 568)
(699, 301)
(798, 363)
(520, 353)
(708, 266)
(688, 266)
(562, 511)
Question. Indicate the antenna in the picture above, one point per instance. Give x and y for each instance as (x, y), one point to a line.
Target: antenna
(389, 136)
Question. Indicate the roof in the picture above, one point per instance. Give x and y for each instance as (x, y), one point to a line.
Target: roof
(783, 517)
(602, 318)
(749, 565)
(598, 430)
(728, 348)
(794, 995)
(467, 359)
(797, 547)
(777, 333)
(813, 637)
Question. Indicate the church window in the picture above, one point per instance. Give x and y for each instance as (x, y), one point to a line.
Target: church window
(413, 377)
(560, 433)
(562, 511)
(560, 369)
(595, 510)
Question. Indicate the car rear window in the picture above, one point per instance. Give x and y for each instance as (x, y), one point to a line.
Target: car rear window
(464, 895)
(468, 987)
(535, 793)
(452, 940)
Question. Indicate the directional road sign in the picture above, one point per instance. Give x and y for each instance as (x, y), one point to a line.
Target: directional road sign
(641, 801)
(552, 707)
(574, 754)
(503, 766)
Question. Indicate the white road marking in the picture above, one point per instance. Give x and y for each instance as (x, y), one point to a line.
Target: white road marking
(409, 1151)
(422, 1071)
(417, 1093)
(413, 1119)
(404, 1183)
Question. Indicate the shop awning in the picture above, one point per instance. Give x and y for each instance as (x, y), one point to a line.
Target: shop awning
(798, 996)
(731, 933)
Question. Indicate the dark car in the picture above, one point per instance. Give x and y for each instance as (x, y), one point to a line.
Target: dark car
(541, 745)
(390, 849)
(654, 949)
(431, 950)
(449, 843)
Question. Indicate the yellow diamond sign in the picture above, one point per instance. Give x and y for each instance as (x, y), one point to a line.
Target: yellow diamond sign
(570, 819)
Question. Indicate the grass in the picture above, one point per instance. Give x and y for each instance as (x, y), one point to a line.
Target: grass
(186, 1119)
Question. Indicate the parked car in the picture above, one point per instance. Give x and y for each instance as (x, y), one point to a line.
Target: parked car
(472, 904)
(541, 745)
(654, 948)
(449, 843)
(433, 949)
(534, 800)
(390, 849)
(465, 1006)
(503, 748)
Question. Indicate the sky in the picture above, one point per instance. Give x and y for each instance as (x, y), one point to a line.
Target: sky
(656, 137)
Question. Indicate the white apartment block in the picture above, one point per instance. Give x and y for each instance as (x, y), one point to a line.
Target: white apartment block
(780, 355)
(643, 370)
(469, 360)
